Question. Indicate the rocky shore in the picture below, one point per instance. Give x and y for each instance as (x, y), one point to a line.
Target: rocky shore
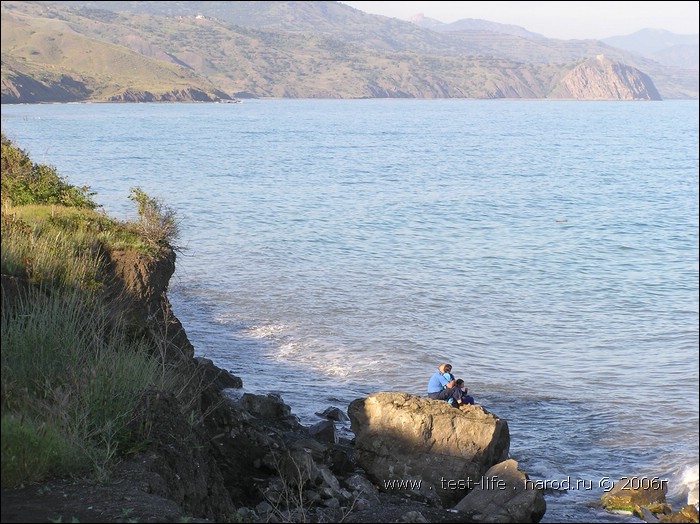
(246, 458)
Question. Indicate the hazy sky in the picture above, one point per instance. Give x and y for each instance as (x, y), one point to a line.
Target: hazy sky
(555, 19)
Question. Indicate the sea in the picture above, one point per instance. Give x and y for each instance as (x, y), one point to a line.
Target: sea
(331, 249)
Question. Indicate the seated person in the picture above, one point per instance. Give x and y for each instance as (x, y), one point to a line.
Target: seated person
(459, 395)
(441, 384)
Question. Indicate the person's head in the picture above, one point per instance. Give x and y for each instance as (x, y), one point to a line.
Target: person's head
(444, 368)
(459, 383)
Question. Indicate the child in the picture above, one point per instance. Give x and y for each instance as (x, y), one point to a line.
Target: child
(459, 395)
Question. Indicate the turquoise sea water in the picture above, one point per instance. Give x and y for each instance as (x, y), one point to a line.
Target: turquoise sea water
(332, 249)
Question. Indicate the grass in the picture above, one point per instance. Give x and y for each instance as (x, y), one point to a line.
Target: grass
(72, 373)
(71, 380)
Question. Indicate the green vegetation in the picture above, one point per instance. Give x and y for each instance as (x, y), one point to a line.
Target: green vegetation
(25, 182)
(157, 223)
(72, 373)
(71, 381)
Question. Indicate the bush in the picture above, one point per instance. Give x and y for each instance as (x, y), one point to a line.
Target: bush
(25, 182)
(158, 224)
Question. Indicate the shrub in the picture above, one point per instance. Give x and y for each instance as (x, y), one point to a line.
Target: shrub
(25, 182)
(157, 224)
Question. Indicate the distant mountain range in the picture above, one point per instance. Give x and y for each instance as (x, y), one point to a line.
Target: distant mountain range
(143, 51)
(663, 46)
(472, 24)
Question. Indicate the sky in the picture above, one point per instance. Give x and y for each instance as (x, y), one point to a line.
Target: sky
(565, 20)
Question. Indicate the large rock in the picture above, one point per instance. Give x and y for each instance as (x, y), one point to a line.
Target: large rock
(504, 495)
(412, 444)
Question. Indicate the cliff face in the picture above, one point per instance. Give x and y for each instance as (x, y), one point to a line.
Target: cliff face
(603, 79)
(18, 88)
(140, 284)
(25, 89)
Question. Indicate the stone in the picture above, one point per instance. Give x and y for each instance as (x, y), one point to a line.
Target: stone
(504, 495)
(334, 413)
(361, 486)
(646, 515)
(413, 516)
(221, 378)
(688, 513)
(632, 492)
(269, 407)
(247, 514)
(425, 446)
(264, 508)
(341, 458)
(324, 431)
(326, 478)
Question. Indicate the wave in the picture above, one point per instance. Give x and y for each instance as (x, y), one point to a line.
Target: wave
(690, 483)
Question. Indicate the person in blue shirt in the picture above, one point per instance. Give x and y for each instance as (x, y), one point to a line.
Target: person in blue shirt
(442, 383)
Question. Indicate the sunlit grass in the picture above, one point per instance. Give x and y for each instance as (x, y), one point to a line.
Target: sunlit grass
(73, 373)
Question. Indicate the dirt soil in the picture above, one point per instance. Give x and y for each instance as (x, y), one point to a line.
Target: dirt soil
(124, 500)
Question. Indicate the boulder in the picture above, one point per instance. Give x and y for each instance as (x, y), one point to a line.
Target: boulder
(268, 407)
(333, 413)
(425, 447)
(361, 487)
(212, 374)
(324, 431)
(688, 513)
(631, 493)
(504, 495)
(340, 458)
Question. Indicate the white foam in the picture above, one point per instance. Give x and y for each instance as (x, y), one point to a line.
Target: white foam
(266, 331)
(690, 481)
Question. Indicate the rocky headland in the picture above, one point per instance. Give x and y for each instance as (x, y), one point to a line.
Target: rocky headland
(600, 78)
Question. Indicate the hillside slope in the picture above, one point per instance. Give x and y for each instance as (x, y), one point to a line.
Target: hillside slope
(45, 59)
(209, 50)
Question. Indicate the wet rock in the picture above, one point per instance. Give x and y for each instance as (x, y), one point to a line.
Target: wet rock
(334, 413)
(688, 513)
(632, 492)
